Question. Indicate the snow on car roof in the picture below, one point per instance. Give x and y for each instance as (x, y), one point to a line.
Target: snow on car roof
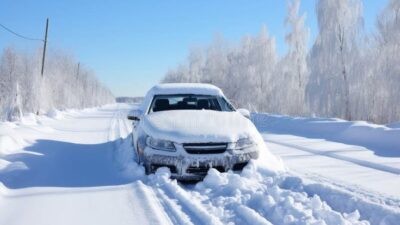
(180, 88)
(185, 88)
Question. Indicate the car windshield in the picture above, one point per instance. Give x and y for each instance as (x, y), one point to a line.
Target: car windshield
(189, 102)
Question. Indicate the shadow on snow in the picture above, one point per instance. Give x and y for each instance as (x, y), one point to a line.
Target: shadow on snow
(62, 164)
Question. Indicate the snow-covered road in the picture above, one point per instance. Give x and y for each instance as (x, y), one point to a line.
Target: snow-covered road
(77, 168)
(347, 177)
(68, 175)
(347, 164)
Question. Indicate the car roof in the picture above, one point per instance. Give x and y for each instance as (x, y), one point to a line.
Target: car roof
(185, 88)
(180, 88)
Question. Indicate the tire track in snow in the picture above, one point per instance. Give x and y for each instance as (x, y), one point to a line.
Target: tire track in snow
(371, 205)
(112, 128)
(149, 199)
(149, 204)
(118, 131)
(173, 210)
(357, 191)
(344, 198)
(173, 199)
(192, 207)
(359, 162)
(251, 216)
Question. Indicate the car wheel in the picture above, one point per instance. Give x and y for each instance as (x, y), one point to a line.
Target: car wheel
(138, 158)
(147, 169)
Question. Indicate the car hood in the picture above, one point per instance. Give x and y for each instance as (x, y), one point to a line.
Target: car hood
(198, 126)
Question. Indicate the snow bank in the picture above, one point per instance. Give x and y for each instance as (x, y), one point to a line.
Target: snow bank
(54, 114)
(256, 198)
(125, 160)
(383, 140)
(394, 125)
(10, 143)
(251, 197)
(6, 166)
(29, 119)
(120, 135)
(346, 201)
(10, 140)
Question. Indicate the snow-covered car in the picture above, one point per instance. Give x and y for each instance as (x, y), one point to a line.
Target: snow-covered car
(191, 128)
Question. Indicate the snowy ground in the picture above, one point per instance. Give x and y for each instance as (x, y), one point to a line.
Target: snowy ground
(75, 167)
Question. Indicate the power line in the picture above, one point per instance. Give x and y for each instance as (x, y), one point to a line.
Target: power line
(19, 35)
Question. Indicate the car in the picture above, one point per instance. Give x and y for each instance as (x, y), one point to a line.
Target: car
(190, 128)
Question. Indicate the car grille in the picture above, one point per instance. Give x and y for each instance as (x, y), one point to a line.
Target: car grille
(205, 148)
(202, 170)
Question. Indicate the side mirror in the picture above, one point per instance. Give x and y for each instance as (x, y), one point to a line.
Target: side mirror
(135, 115)
(244, 112)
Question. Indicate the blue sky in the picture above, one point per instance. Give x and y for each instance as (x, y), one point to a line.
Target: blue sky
(131, 44)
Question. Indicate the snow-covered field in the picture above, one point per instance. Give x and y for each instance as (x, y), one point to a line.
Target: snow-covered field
(76, 167)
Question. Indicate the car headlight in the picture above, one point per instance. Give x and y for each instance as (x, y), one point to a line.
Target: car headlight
(244, 143)
(159, 144)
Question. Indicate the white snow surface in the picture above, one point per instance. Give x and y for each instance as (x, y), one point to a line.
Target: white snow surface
(384, 140)
(188, 126)
(54, 113)
(79, 169)
(180, 88)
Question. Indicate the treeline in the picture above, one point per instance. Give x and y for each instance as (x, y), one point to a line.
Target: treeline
(64, 84)
(347, 73)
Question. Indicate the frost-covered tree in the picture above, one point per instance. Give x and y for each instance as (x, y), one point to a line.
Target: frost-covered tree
(346, 73)
(244, 73)
(297, 40)
(333, 55)
(293, 66)
(191, 71)
(264, 68)
(241, 86)
(386, 65)
(22, 89)
(9, 82)
(178, 74)
(216, 62)
(196, 65)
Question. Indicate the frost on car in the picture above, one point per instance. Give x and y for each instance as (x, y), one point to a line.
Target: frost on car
(191, 128)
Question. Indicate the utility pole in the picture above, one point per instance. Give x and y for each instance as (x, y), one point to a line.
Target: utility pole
(45, 45)
(77, 71)
(43, 58)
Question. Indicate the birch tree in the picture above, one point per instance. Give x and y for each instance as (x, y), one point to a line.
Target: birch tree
(332, 57)
(294, 67)
(387, 63)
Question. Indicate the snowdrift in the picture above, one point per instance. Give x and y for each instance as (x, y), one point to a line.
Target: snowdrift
(252, 197)
(10, 141)
(54, 114)
(383, 140)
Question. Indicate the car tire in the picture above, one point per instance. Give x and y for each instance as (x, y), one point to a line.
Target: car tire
(138, 159)
(147, 169)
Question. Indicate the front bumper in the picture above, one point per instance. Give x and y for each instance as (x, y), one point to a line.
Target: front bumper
(185, 166)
